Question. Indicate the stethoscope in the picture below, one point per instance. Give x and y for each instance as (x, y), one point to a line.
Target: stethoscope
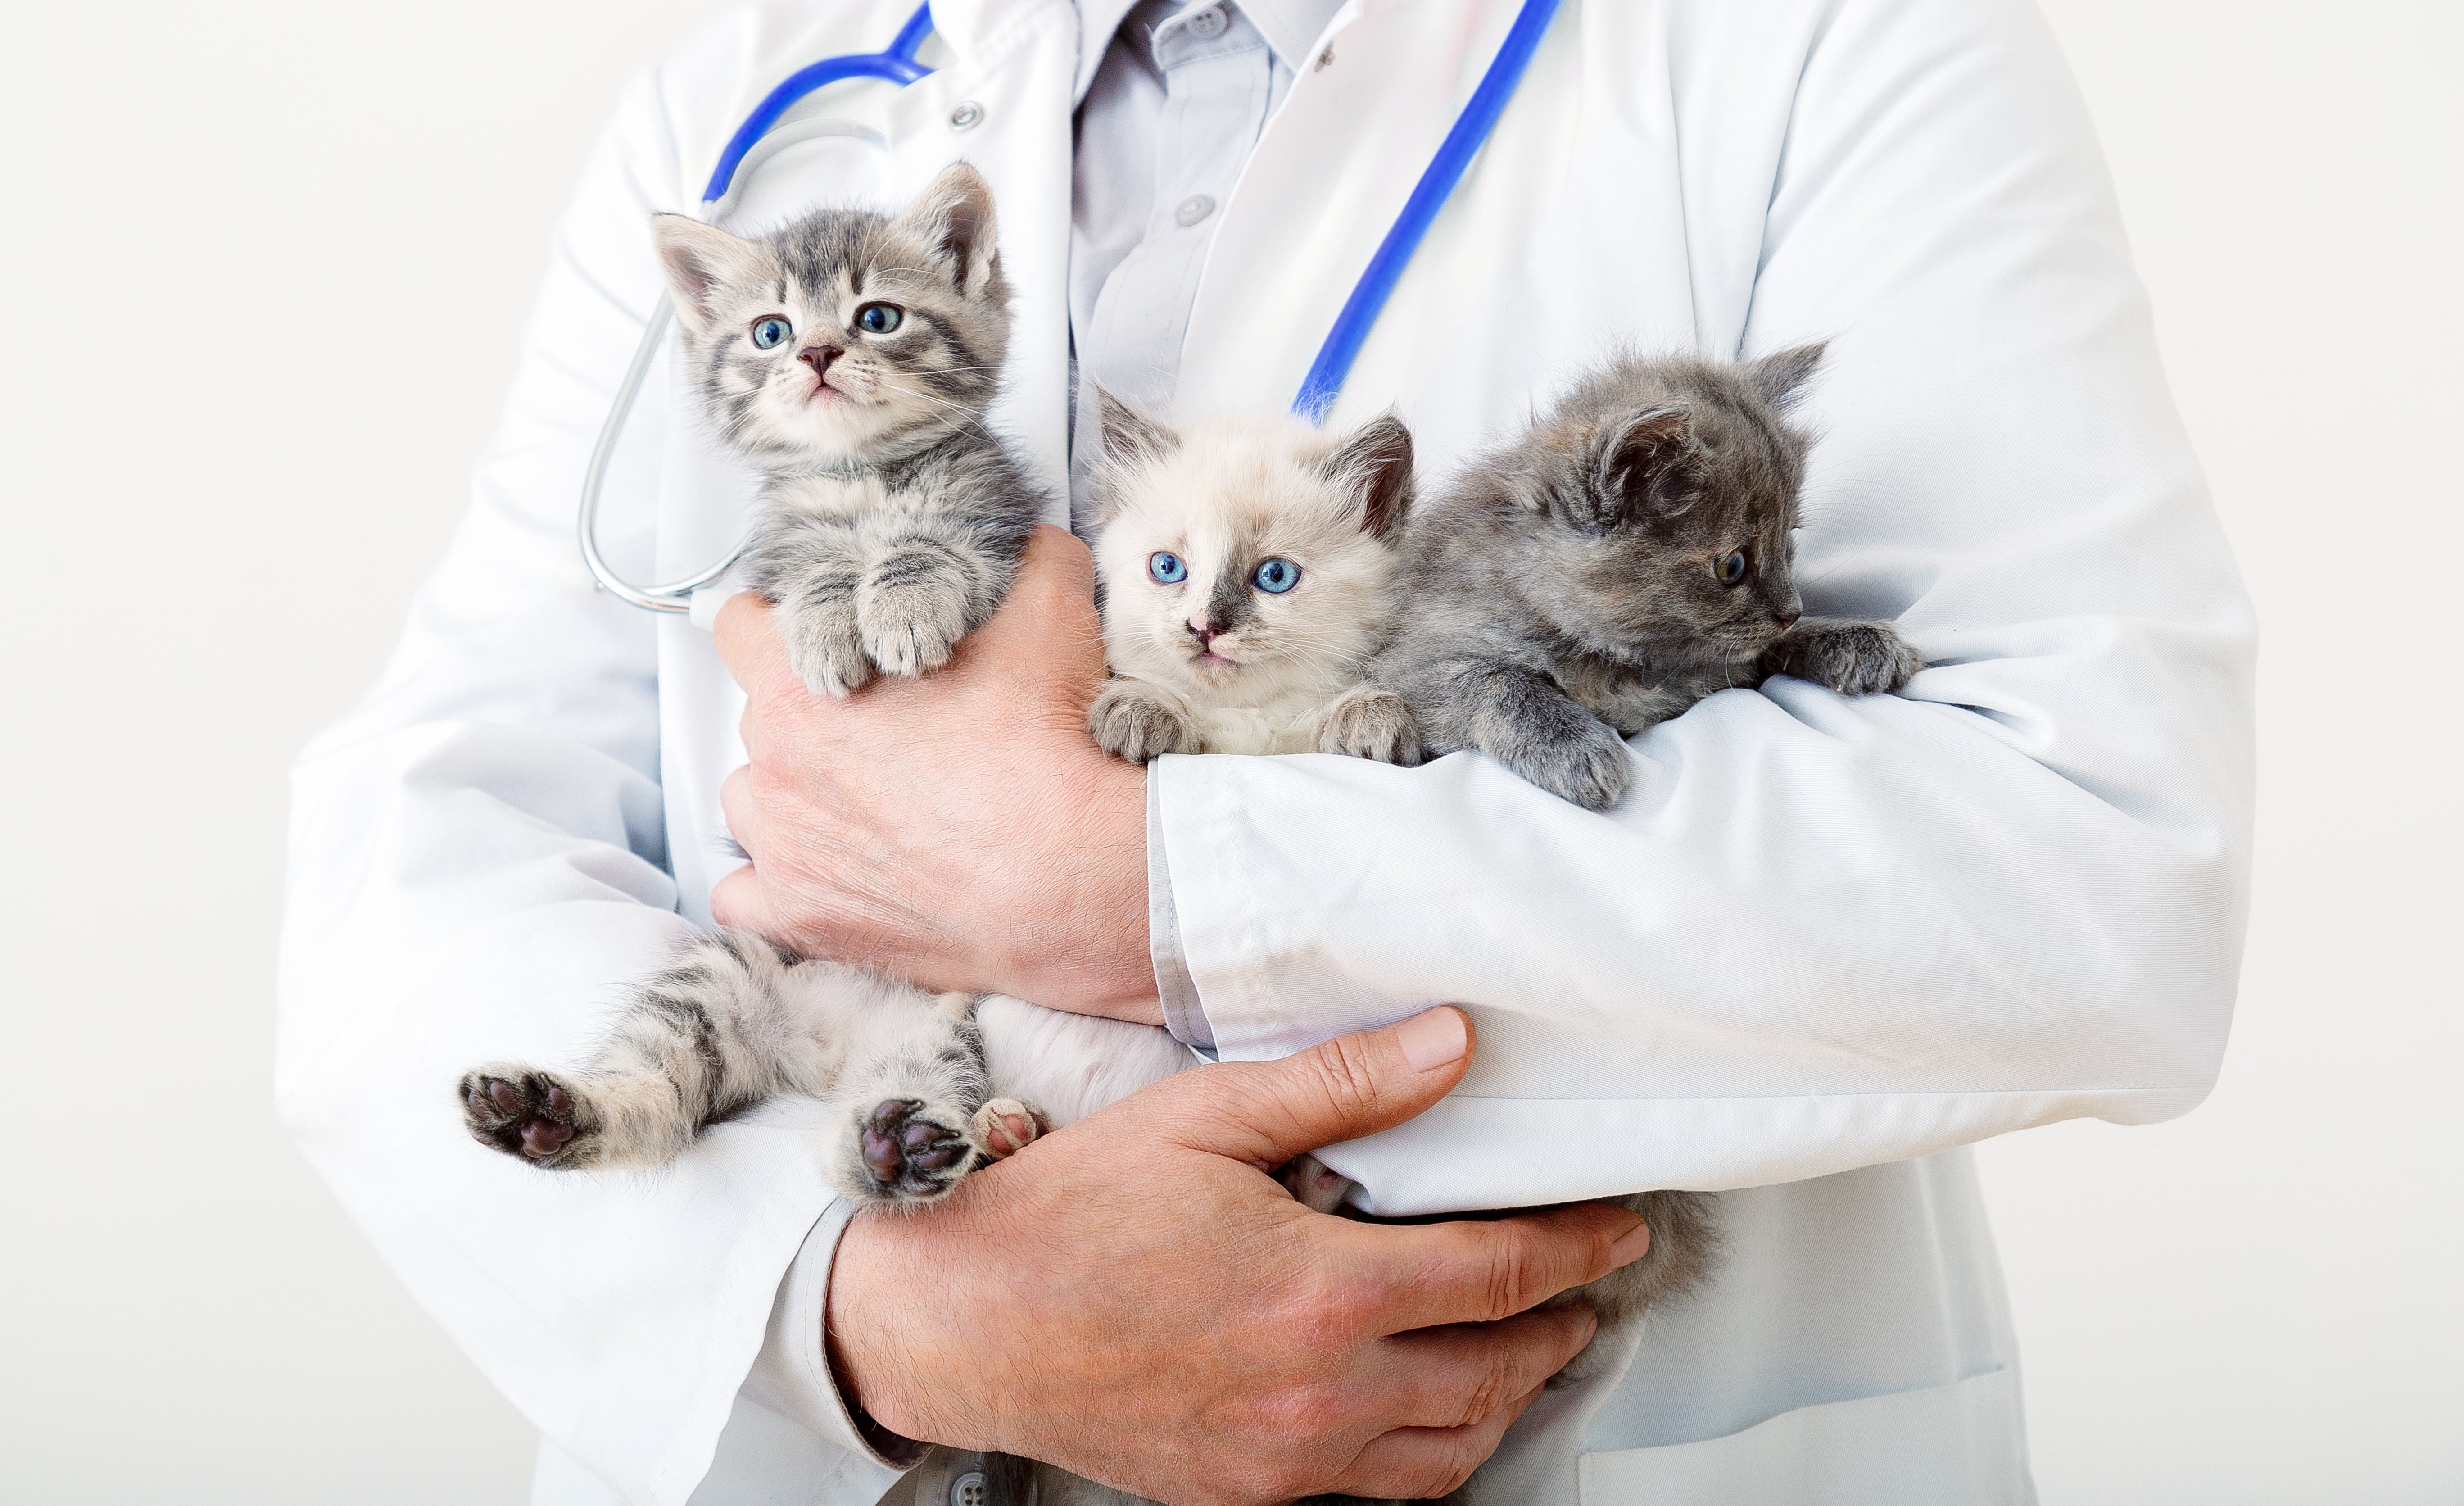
(756, 141)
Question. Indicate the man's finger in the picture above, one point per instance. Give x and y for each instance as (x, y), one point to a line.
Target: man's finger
(737, 901)
(1267, 1113)
(1428, 1463)
(1478, 1270)
(1048, 623)
(746, 635)
(1456, 1377)
(743, 813)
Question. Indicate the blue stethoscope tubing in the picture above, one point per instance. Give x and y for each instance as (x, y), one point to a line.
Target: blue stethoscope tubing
(755, 139)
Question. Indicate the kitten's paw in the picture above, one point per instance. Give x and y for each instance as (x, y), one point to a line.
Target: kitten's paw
(1313, 1184)
(537, 1115)
(1130, 721)
(914, 606)
(825, 646)
(1005, 1126)
(1371, 723)
(1589, 766)
(1854, 658)
(911, 1152)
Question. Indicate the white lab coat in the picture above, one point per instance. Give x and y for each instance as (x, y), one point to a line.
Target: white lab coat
(1822, 935)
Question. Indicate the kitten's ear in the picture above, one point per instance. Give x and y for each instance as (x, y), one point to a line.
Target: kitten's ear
(1781, 376)
(699, 260)
(1649, 465)
(954, 218)
(1373, 463)
(1130, 434)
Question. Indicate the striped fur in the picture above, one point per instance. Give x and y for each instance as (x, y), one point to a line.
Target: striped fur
(733, 1020)
(891, 518)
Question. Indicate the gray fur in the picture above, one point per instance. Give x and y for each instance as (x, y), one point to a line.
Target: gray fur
(1565, 591)
(891, 522)
(733, 1020)
(891, 518)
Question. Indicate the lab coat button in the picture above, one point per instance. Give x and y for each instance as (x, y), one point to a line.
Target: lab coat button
(1208, 22)
(1197, 207)
(971, 1488)
(967, 116)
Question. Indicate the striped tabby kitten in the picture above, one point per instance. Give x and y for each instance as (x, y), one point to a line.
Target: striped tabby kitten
(850, 358)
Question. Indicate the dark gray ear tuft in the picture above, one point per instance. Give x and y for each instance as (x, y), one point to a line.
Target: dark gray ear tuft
(1130, 434)
(1132, 437)
(954, 217)
(1781, 376)
(1648, 464)
(1373, 463)
(699, 260)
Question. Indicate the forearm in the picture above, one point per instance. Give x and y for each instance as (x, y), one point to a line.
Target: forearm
(1820, 933)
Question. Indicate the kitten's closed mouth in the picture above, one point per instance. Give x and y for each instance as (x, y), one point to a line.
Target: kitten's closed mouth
(1209, 659)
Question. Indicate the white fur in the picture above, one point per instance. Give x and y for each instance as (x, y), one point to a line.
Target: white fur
(1231, 490)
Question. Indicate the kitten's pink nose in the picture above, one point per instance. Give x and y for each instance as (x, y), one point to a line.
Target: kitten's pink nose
(818, 358)
(1204, 632)
(1788, 619)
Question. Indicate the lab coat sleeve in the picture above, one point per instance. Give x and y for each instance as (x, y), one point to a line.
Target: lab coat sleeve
(1826, 932)
(478, 865)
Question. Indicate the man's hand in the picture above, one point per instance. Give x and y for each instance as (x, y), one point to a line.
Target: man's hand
(1135, 1300)
(961, 829)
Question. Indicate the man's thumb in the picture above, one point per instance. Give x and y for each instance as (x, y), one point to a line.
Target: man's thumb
(1267, 1113)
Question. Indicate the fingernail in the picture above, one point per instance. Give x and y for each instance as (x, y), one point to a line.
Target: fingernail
(1630, 1246)
(1434, 1039)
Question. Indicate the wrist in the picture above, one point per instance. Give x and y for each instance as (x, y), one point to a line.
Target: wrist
(1078, 939)
(874, 1358)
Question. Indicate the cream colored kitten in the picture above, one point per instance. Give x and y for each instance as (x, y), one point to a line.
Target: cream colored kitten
(1248, 571)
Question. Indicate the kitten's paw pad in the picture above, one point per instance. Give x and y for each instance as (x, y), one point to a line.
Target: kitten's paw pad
(1128, 722)
(1005, 1126)
(537, 1116)
(1372, 724)
(1854, 658)
(825, 646)
(913, 1152)
(914, 607)
(1313, 1184)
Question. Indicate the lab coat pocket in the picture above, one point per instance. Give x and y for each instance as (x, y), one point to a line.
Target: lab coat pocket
(1956, 1445)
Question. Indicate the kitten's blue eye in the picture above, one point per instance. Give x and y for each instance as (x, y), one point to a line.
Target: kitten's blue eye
(1275, 576)
(1164, 569)
(1732, 569)
(879, 319)
(769, 334)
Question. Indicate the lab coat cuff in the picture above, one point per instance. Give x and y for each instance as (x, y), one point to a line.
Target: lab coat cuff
(1183, 1013)
(792, 1374)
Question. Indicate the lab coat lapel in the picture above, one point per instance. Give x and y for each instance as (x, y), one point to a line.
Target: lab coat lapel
(1509, 289)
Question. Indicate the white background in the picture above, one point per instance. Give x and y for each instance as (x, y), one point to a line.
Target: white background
(265, 263)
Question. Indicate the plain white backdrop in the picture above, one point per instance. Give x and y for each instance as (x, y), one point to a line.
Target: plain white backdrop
(266, 263)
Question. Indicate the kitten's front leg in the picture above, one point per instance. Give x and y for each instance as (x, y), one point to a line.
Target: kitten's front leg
(929, 583)
(811, 567)
(1854, 658)
(1138, 721)
(1526, 722)
(1372, 722)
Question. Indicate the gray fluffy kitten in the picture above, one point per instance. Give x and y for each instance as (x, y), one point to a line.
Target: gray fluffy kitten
(1626, 556)
(850, 357)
